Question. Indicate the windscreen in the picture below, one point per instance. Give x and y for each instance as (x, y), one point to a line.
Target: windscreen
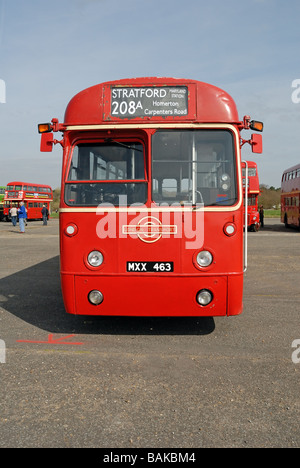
(110, 172)
(194, 166)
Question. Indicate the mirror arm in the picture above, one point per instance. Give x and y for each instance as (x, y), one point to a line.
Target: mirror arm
(61, 142)
(242, 142)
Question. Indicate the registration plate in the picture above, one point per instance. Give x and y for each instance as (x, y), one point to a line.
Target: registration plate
(150, 267)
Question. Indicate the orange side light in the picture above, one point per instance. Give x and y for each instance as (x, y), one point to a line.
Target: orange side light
(45, 128)
(256, 125)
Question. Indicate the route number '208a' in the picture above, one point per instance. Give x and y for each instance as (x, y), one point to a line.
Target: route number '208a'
(124, 107)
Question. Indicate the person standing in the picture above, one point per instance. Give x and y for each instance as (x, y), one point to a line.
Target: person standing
(22, 217)
(261, 216)
(45, 214)
(14, 214)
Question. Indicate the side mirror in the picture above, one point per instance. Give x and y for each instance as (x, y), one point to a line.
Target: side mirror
(46, 142)
(256, 143)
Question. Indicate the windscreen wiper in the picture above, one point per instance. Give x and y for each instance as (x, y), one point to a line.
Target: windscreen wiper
(110, 140)
(222, 202)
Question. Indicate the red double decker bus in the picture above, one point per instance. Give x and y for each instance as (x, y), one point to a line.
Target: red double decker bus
(151, 209)
(34, 197)
(290, 197)
(253, 191)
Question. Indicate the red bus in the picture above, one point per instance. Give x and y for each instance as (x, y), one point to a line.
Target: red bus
(151, 209)
(34, 197)
(290, 197)
(2, 192)
(253, 223)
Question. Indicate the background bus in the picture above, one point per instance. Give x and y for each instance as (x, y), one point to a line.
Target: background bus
(151, 210)
(253, 193)
(290, 197)
(2, 193)
(34, 197)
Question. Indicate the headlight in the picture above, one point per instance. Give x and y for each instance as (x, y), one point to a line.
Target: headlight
(95, 258)
(204, 297)
(204, 258)
(95, 297)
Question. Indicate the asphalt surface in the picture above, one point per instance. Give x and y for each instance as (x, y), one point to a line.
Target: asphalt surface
(141, 382)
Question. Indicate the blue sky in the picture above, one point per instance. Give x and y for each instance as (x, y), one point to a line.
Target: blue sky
(49, 51)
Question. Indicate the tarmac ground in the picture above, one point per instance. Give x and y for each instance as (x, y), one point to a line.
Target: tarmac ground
(129, 382)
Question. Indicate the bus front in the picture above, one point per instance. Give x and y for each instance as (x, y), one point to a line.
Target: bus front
(252, 185)
(2, 193)
(151, 214)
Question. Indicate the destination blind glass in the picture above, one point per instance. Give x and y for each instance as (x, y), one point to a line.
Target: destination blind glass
(154, 101)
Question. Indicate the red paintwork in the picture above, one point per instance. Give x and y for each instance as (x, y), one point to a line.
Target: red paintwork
(207, 103)
(151, 294)
(155, 294)
(253, 192)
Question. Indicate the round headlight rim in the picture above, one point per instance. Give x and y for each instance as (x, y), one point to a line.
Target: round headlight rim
(204, 290)
(89, 264)
(101, 297)
(195, 259)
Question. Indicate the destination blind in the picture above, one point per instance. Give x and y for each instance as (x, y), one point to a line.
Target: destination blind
(154, 101)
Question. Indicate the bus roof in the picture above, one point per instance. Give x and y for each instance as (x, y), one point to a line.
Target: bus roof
(250, 164)
(27, 183)
(291, 168)
(205, 103)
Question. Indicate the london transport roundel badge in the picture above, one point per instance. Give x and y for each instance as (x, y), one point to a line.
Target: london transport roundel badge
(149, 229)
